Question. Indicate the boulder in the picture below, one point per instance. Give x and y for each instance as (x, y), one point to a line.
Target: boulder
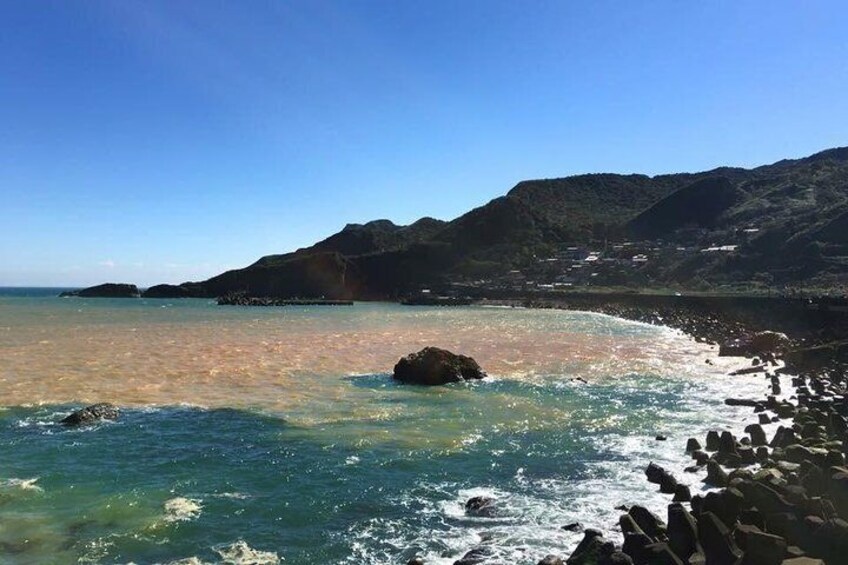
(727, 443)
(758, 436)
(716, 476)
(628, 525)
(764, 343)
(91, 415)
(661, 554)
(769, 342)
(480, 506)
(615, 558)
(551, 560)
(718, 544)
(760, 548)
(700, 457)
(655, 473)
(659, 476)
(475, 556)
(747, 455)
(767, 499)
(724, 504)
(648, 522)
(682, 494)
(635, 546)
(434, 366)
(682, 532)
(588, 551)
(712, 440)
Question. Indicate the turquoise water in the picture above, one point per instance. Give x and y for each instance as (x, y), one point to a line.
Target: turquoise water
(362, 471)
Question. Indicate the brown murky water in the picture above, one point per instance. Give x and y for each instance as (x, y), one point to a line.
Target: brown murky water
(381, 467)
(135, 353)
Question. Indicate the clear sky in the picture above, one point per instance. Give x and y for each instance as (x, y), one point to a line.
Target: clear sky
(167, 141)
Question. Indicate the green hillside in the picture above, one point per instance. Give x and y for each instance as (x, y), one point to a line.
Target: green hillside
(780, 224)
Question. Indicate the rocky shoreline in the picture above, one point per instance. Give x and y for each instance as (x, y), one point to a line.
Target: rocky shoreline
(241, 299)
(778, 501)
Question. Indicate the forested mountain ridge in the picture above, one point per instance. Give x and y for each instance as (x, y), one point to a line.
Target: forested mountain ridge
(787, 223)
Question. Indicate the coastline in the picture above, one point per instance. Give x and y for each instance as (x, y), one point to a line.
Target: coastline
(815, 388)
(793, 508)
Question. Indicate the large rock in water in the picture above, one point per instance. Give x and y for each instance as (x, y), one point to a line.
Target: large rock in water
(91, 414)
(107, 290)
(434, 366)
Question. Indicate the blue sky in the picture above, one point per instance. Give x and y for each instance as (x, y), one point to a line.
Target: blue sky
(167, 141)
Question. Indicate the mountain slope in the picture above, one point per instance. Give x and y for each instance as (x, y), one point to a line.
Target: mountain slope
(698, 205)
(787, 219)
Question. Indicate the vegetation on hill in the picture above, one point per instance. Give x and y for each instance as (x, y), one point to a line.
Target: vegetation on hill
(775, 225)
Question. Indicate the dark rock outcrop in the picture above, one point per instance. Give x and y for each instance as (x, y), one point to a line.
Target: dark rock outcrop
(765, 343)
(167, 291)
(434, 366)
(474, 556)
(106, 290)
(714, 537)
(589, 550)
(659, 476)
(91, 415)
(480, 506)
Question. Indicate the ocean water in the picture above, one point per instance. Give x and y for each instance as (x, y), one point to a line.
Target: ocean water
(276, 435)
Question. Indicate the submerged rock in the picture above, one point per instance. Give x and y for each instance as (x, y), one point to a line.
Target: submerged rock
(91, 414)
(475, 556)
(434, 366)
(480, 506)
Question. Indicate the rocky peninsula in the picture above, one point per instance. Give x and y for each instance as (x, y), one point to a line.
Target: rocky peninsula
(106, 290)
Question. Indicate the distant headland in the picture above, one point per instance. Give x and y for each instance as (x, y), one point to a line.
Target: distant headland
(779, 228)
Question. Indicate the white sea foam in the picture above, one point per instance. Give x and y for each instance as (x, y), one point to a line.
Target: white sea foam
(531, 511)
(182, 509)
(41, 420)
(239, 553)
(21, 484)
(233, 495)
